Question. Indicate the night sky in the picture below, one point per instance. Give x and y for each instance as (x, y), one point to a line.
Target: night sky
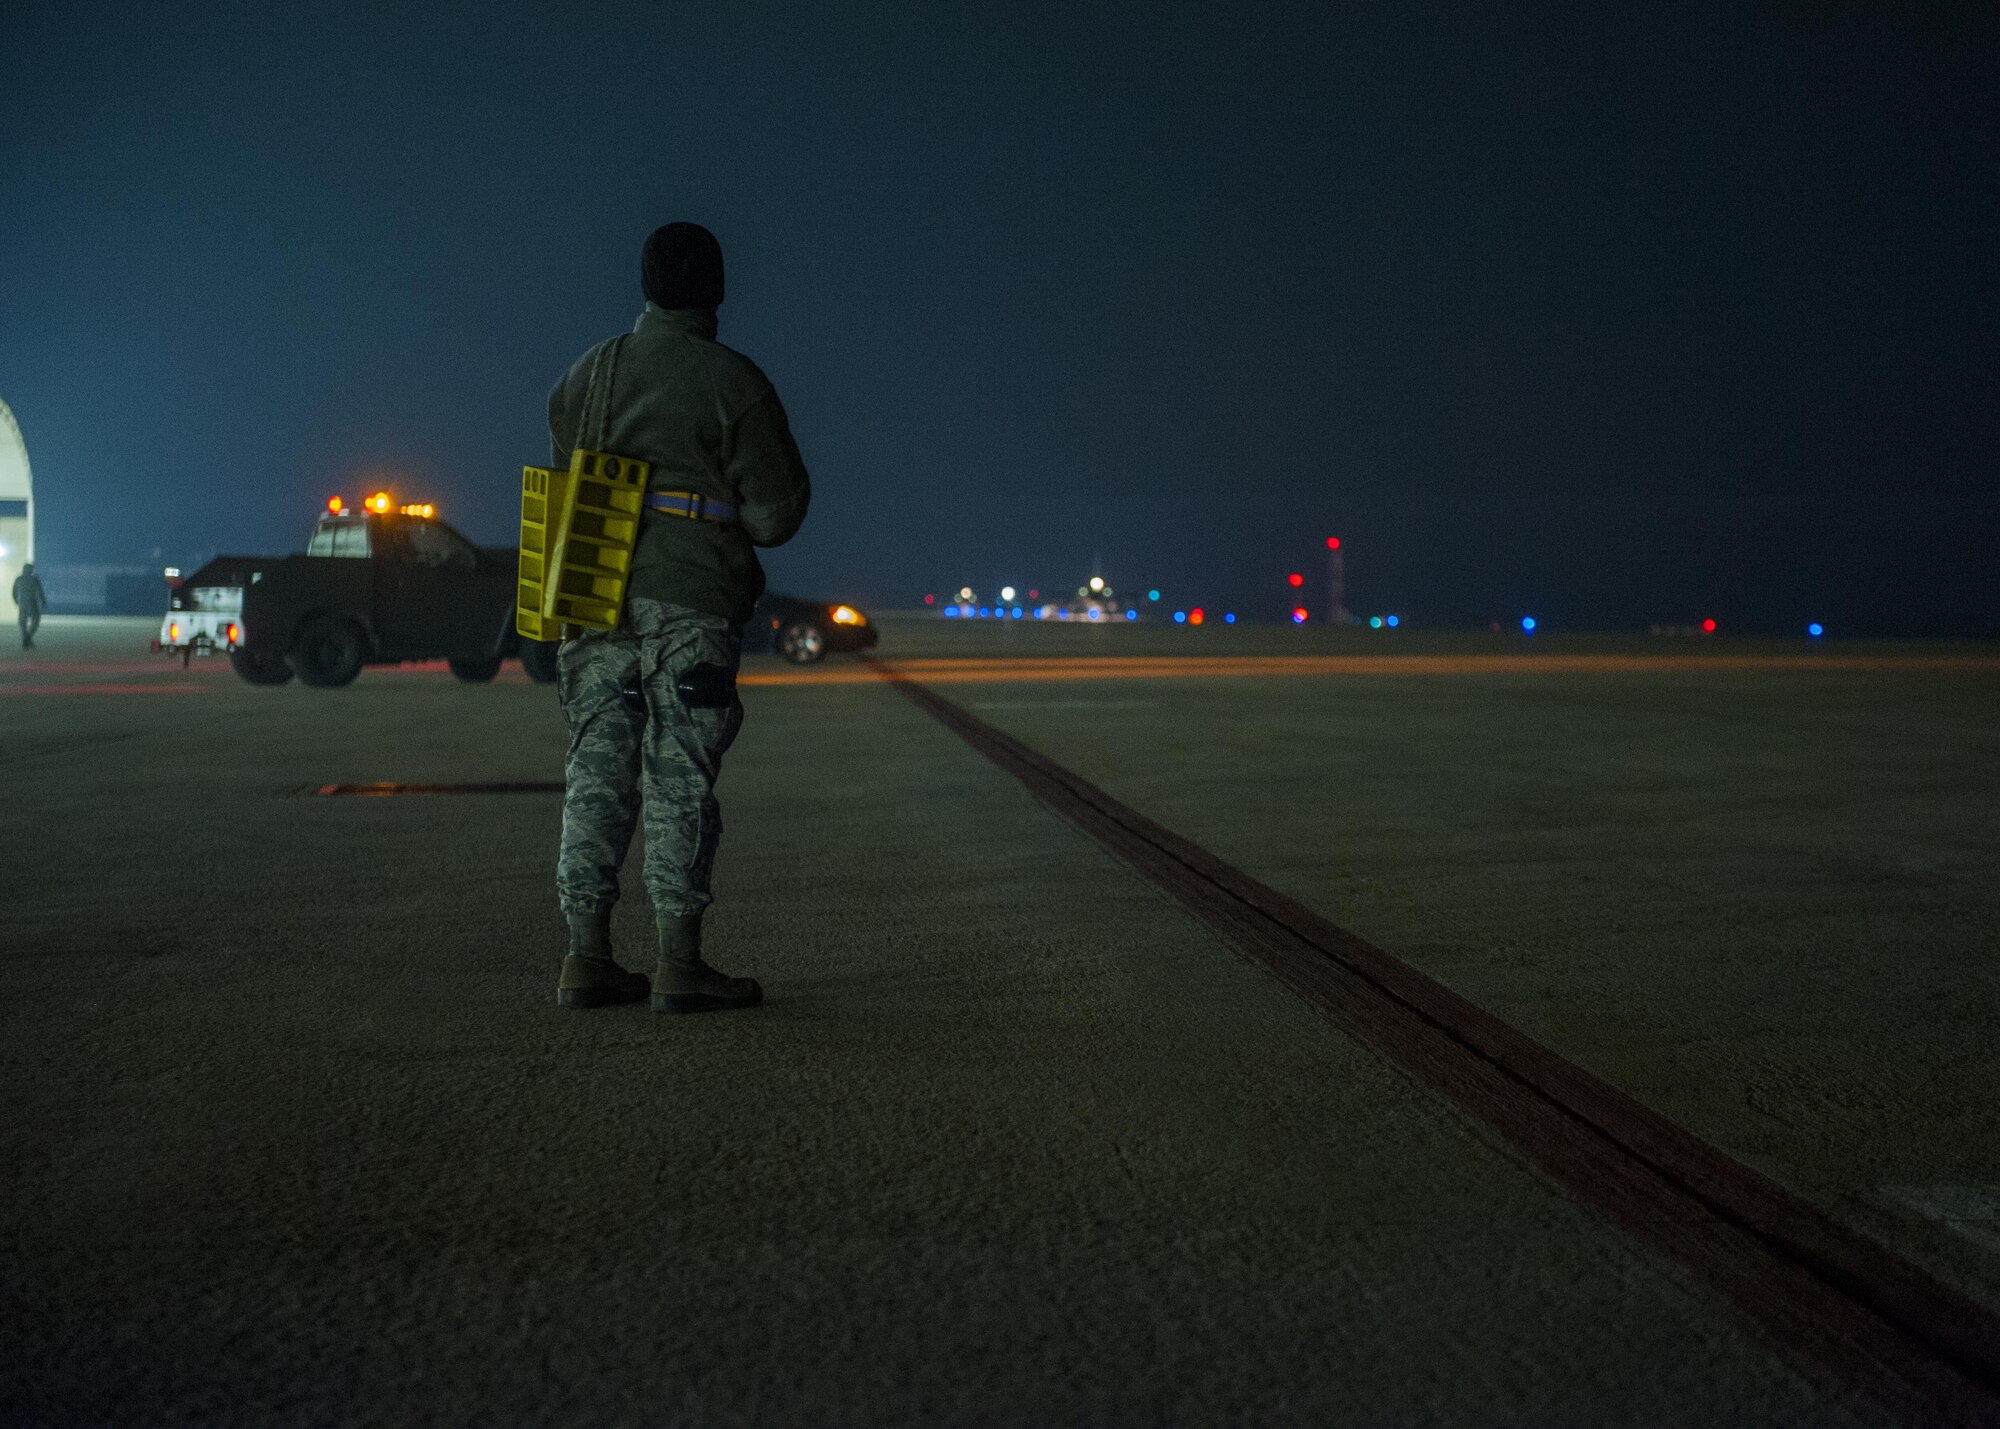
(1613, 314)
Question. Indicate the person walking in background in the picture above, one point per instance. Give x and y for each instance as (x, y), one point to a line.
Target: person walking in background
(30, 600)
(651, 705)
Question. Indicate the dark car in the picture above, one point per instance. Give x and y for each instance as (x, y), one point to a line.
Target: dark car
(805, 630)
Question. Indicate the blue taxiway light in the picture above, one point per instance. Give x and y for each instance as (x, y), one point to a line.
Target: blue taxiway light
(1131, 615)
(950, 612)
(1229, 619)
(1180, 617)
(1015, 612)
(1394, 621)
(1152, 595)
(1528, 624)
(1815, 630)
(985, 611)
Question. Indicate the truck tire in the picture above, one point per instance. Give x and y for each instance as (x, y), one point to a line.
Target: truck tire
(260, 668)
(475, 672)
(329, 652)
(538, 658)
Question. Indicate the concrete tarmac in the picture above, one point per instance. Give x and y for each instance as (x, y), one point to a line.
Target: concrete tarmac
(294, 1132)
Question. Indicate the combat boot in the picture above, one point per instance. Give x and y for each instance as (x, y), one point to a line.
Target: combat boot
(589, 976)
(684, 983)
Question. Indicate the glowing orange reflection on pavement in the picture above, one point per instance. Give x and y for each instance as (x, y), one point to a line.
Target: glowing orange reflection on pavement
(81, 687)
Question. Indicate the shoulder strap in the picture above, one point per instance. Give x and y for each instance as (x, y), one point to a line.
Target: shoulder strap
(605, 366)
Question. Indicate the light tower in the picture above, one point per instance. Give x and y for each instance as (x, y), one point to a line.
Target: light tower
(1336, 582)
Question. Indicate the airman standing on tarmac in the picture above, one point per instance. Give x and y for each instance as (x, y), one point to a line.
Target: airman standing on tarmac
(30, 600)
(652, 705)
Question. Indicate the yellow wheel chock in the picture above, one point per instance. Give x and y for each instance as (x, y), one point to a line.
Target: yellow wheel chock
(577, 531)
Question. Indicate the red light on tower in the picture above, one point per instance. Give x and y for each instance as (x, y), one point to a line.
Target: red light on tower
(1333, 543)
(1295, 580)
(1708, 626)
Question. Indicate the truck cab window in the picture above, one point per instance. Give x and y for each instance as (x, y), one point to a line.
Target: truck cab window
(434, 546)
(335, 537)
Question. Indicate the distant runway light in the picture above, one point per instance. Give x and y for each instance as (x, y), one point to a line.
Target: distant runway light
(1152, 595)
(1528, 624)
(1006, 592)
(1180, 617)
(1134, 615)
(1295, 580)
(1015, 612)
(1097, 582)
(1815, 630)
(1708, 627)
(1394, 621)
(1230, 618)
(930, 600)
(985, 611)
(1374, 622)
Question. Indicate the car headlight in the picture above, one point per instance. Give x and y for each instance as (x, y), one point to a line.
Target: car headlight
(848, 615)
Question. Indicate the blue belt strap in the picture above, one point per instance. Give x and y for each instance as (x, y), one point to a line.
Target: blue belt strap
(691, 504)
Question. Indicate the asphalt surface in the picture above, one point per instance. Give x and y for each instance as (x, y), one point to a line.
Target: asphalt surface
(294, 1132)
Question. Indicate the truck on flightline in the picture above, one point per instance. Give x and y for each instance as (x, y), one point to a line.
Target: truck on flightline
(376, 586)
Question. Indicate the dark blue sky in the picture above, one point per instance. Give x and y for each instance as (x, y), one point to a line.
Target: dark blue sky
(1610, 315)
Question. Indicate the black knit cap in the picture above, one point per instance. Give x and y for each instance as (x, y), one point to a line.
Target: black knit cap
(682, 267)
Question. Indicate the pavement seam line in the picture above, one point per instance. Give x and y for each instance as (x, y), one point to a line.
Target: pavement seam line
(1919, 1346)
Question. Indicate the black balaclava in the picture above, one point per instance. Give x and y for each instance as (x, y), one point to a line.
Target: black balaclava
(682, 267)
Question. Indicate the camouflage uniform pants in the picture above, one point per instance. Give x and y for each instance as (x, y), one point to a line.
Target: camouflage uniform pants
(660, 758)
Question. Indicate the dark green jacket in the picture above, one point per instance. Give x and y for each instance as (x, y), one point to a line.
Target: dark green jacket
(28, 593)
(709, 422)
